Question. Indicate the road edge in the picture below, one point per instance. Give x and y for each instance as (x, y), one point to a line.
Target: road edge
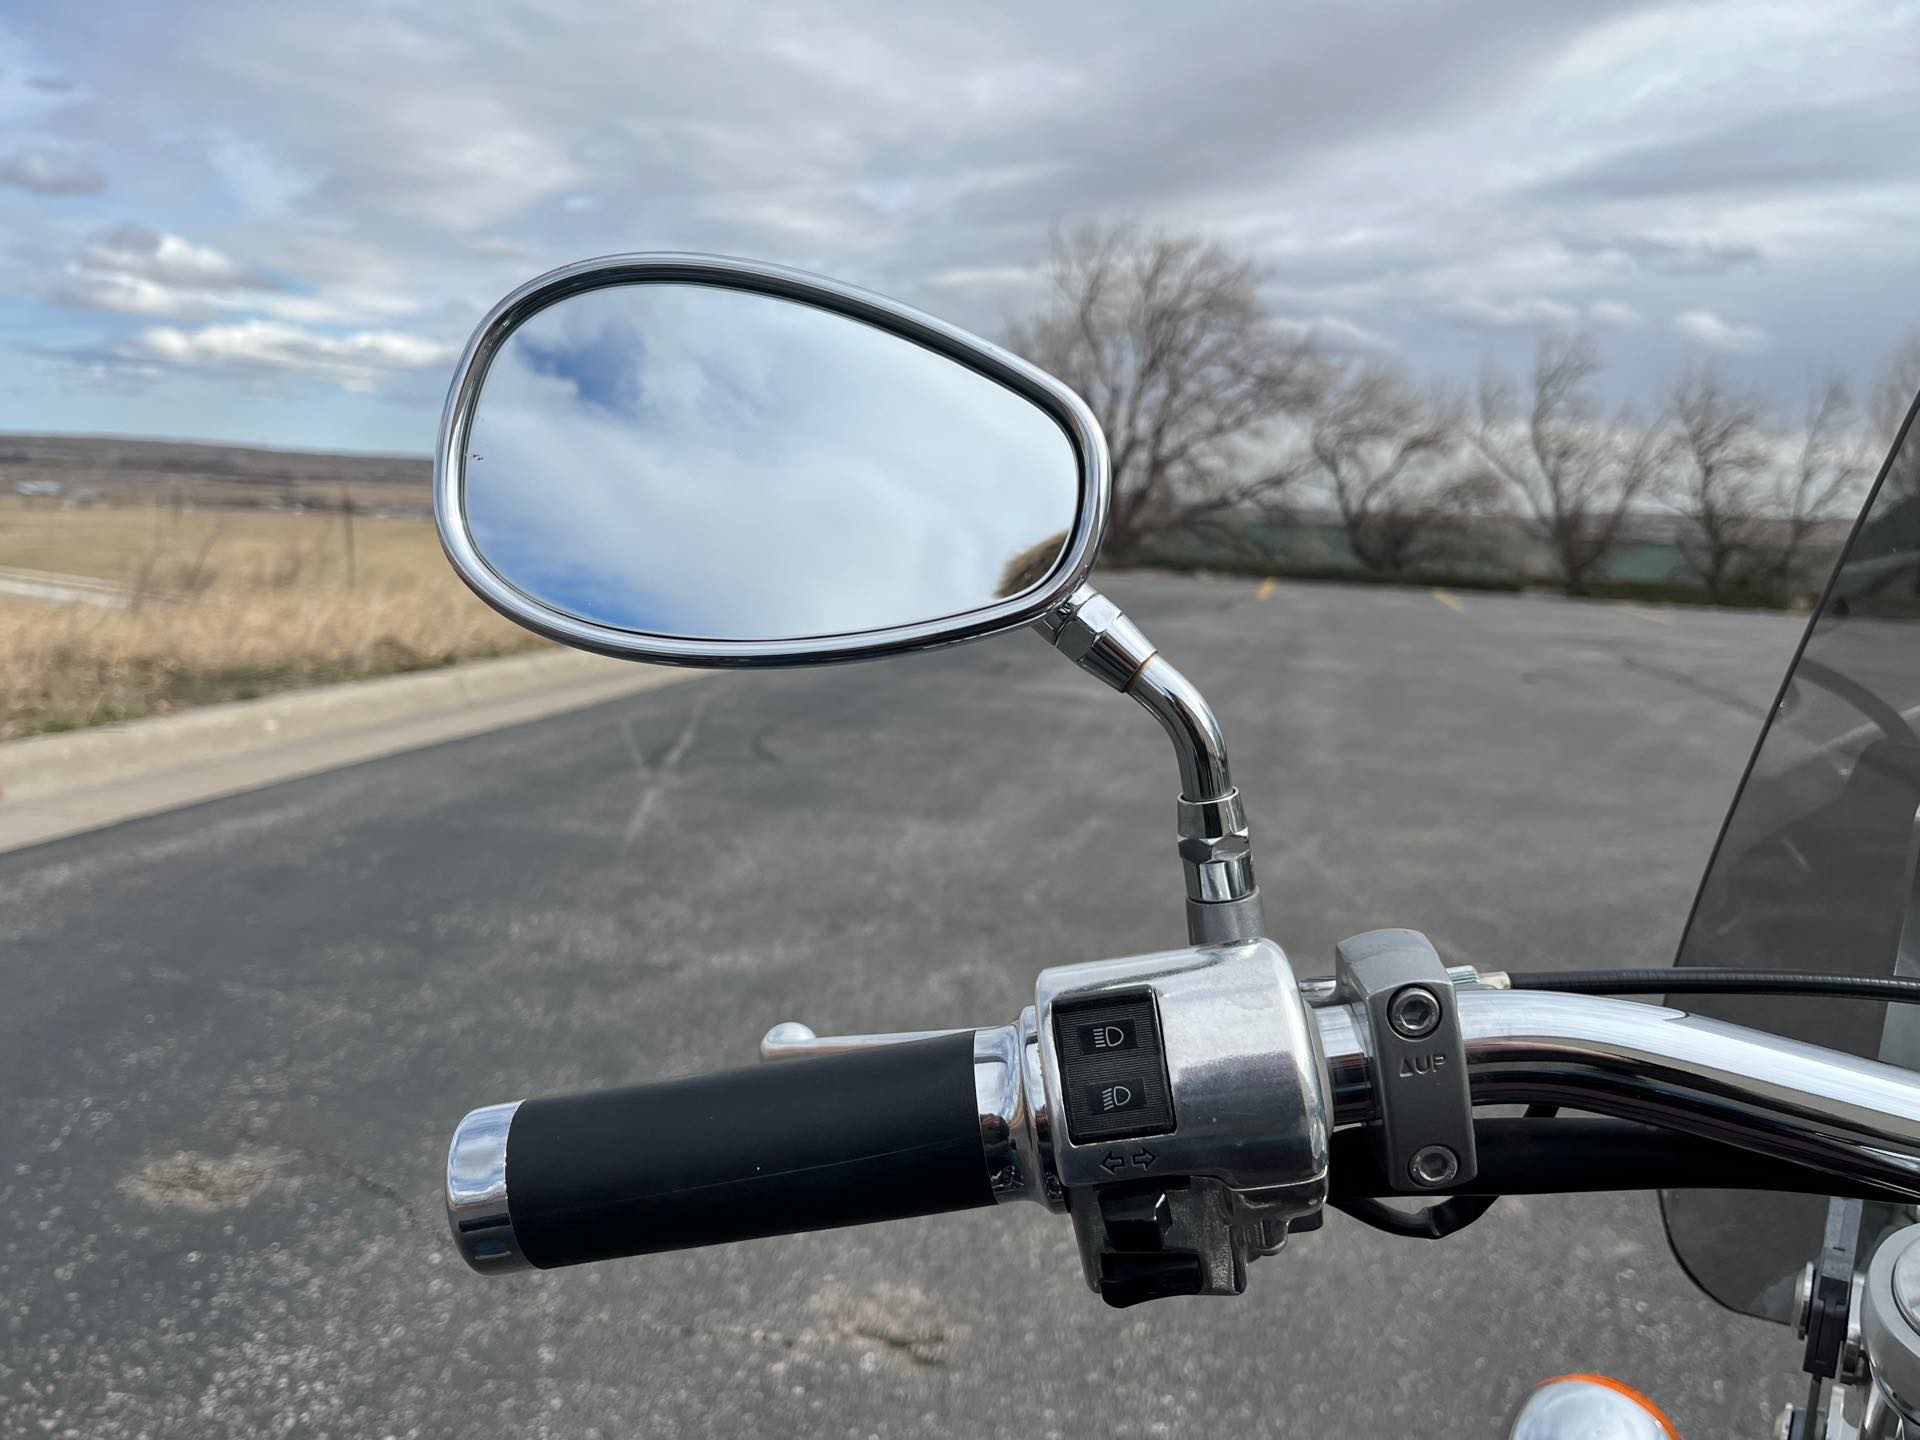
(52, 786)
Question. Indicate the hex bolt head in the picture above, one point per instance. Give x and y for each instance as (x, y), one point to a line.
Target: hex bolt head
(1433, 1165)
(1414, 1012)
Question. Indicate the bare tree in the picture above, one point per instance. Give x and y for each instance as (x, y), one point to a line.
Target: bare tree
(1832, 461)
(1756, 496)
(1575, 475)
(1166, 338)
(1717, 453)
(1385, 452)
(1893, 392)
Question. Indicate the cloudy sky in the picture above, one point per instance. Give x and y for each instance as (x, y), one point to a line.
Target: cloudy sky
(277, 222)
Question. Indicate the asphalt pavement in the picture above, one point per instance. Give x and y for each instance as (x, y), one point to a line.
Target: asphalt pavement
(238, 1035)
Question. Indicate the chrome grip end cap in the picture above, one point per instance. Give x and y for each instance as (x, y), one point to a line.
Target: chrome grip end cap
(477, 1209)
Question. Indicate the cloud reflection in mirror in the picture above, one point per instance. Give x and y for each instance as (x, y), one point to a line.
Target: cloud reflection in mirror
(698, 462)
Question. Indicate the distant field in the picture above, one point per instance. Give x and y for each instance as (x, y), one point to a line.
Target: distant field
(189, 548)
(117, 470)
(222, 605)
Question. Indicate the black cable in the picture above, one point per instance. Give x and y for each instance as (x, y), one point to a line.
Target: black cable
(1572, 1156)
(1541, 1155)
(1710, 980)
(1436, 1221)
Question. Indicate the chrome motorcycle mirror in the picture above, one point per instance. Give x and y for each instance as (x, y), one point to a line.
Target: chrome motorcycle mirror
(697, 460)
(702, 461)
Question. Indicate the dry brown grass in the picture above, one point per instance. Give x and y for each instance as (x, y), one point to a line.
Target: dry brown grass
(226, 606)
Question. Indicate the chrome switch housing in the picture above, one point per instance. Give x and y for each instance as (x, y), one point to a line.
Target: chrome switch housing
(1237, 1154)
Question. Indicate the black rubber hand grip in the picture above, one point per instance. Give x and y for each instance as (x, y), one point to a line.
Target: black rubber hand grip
(794, 1145)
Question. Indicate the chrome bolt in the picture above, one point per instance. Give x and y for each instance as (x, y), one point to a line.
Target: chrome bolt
(1433, 1165)
(1803, 1301)
(1414, 1012)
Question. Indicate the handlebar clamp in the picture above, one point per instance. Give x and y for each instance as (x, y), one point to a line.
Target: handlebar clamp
(1395, 979)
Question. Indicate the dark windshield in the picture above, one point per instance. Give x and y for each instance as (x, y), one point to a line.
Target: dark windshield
(1815, 866)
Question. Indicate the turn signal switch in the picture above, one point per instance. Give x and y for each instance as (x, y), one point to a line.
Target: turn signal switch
(1175, 1105)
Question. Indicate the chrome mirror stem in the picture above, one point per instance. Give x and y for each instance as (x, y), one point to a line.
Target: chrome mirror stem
(1216, 849)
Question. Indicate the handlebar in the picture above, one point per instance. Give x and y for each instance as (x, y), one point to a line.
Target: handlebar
(1858, 1119)
(870, 1128)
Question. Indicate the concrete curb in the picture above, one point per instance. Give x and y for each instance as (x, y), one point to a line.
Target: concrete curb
(54, 785)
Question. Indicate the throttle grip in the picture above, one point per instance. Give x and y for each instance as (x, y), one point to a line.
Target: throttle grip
(847, 1139)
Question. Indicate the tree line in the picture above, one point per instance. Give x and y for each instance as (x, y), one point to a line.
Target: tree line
(1220, 415)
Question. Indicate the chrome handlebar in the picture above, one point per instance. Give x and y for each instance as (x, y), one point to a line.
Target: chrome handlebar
(1181, 1106)
(1855, 1118)
(1859, 1119)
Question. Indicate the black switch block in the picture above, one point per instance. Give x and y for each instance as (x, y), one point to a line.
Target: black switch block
(1114, 1070)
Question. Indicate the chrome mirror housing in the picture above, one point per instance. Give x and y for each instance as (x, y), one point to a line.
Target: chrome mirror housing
(704, 461)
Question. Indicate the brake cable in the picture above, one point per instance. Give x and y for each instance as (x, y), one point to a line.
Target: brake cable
(1716, 980)
(1435, 1221)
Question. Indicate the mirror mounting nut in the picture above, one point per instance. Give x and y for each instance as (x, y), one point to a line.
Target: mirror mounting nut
(1096, 635)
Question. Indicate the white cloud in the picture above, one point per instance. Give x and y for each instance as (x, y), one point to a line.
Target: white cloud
(1335, 332)
(131, 270)
(1665, 255)
(125, 294)
(356, 361)
(1615, 315)
(166, 259)
(1535, 313)
(52, 172)
(136, 271)
(987, 277)
(1707, 329)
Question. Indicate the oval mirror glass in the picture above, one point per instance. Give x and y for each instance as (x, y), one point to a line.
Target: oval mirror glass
(729, 474)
